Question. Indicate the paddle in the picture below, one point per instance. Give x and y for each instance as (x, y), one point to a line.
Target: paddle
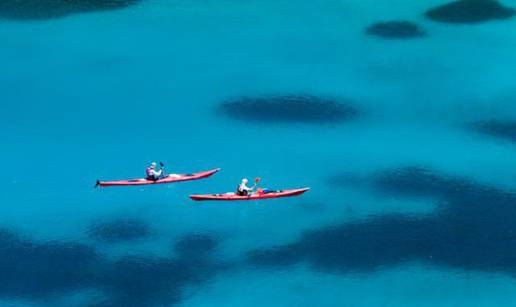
(256, 180)
(162, 165)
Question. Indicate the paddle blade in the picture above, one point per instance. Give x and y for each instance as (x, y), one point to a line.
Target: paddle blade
(161, 164)
(257, 179)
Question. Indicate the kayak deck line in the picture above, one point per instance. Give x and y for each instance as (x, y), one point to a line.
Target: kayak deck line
(168, 179)
(254, 196)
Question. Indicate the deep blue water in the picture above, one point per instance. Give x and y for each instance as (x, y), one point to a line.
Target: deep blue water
(405, 133)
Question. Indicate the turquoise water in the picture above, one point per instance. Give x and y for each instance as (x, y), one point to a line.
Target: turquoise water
(102, 94)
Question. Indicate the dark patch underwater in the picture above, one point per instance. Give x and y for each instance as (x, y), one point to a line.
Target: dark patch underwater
(395, 30)
(288, 109)
(195, 244)
(119, 230)
(51, 9)
(470, 11)
(474, 228)
(35, 271)
(499, 129)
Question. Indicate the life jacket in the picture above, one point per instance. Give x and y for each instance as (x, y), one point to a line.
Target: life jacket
(149, 172)
(240, 192)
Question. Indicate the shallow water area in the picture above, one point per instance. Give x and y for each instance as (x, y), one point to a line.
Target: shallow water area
(100, 94)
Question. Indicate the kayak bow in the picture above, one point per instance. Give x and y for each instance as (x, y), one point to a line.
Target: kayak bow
(254, 196)
(168, 179)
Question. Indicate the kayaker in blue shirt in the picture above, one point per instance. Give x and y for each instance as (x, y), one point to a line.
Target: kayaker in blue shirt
(153, 174)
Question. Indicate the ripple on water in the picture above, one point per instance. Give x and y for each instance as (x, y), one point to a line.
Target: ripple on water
(195, 244)
(119, 230)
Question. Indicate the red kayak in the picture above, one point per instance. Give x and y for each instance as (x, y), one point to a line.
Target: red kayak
(254, 196)
(168, 179)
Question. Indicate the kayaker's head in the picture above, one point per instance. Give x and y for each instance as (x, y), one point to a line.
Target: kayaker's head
(153, 165)
(244, 180)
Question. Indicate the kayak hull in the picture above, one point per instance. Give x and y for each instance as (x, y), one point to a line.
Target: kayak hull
(234, 197)
(169, 179)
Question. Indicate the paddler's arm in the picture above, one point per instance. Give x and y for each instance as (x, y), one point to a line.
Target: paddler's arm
(156, 173)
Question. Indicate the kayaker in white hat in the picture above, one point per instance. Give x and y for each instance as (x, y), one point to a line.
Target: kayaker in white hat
(244, 190)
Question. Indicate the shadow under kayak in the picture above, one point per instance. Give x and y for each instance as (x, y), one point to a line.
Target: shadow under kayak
(254, 196)
(168, 179)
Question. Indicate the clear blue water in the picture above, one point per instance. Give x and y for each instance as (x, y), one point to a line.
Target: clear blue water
(101, 94)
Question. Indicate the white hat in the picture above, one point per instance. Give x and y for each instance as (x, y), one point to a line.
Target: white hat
(153, 164)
